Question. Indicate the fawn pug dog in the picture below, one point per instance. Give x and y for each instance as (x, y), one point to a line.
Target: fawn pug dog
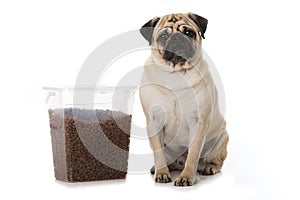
(185, 127)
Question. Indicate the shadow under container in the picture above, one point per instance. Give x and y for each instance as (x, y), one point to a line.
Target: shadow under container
(90, 132)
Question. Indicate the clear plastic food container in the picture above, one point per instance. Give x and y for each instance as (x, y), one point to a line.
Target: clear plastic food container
(90, 132)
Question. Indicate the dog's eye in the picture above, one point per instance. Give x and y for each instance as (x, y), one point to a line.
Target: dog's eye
(162, 38)
(189, 33)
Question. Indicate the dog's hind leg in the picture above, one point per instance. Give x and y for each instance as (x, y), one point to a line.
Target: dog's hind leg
(213, 163)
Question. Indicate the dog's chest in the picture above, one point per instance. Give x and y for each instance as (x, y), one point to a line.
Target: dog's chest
(174, 102)
(178, 114)
(177, 129)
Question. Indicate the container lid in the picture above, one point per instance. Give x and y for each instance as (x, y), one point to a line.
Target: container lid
(100, 89)
(88, 96)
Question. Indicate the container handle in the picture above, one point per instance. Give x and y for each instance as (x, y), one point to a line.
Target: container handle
(50, 94)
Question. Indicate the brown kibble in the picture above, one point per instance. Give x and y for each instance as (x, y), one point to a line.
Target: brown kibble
(72, 129)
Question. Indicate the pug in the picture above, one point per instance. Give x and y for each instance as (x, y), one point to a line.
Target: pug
(186, 130)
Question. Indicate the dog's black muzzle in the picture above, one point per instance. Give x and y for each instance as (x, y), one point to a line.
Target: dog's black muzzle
(178, 48)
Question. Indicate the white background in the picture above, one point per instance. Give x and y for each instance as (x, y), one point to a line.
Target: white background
(254, 45)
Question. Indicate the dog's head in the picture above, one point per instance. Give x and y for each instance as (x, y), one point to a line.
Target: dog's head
(175, 39)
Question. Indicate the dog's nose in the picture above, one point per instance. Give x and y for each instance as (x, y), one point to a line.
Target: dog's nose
(178, 48)
(177, 37)
(175, 46)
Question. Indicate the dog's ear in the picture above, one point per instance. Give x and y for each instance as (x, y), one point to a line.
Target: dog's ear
(201, 22)
(147, 29)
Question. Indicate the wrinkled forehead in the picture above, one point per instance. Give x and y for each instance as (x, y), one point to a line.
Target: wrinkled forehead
(173, 21)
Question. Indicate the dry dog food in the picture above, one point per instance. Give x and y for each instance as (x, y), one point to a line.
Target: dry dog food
(89, 145)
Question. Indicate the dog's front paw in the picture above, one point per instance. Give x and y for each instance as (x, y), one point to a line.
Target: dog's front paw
(162, 176)
(185, 179)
